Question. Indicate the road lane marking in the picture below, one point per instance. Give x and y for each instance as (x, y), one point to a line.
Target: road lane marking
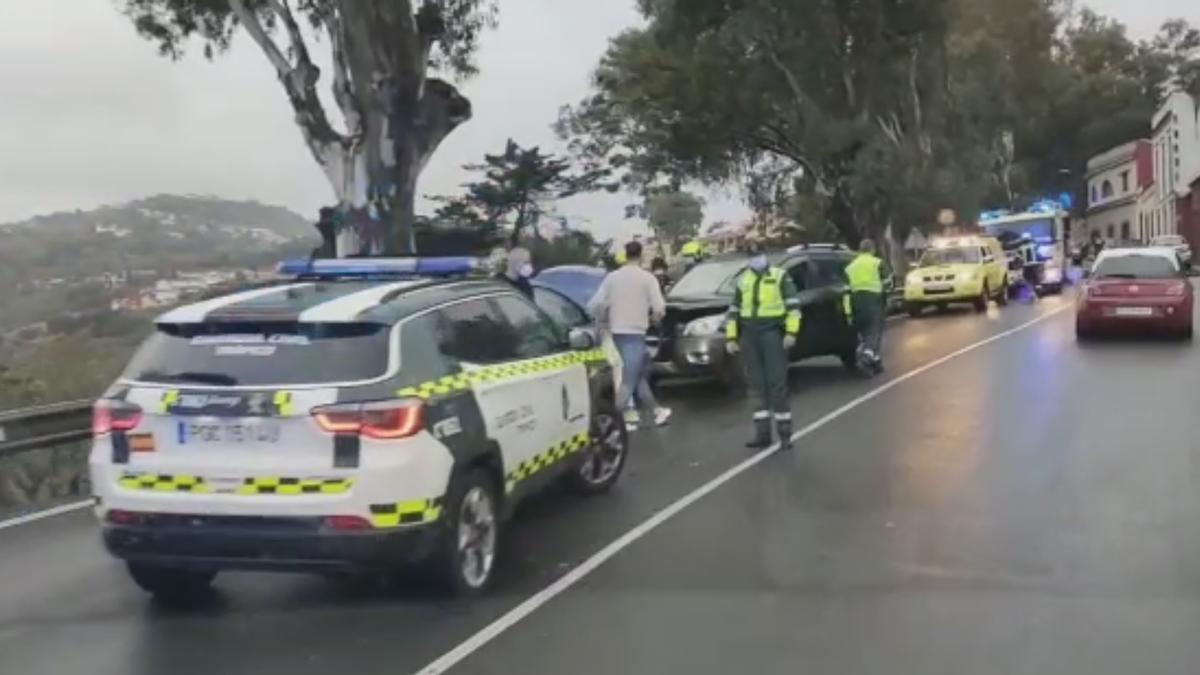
(41, 515)
(535, 601)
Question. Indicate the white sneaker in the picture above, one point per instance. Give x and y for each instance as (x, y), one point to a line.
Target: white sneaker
(661, 416)
(632, 420)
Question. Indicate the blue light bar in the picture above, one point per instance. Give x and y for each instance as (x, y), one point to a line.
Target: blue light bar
(380, 267)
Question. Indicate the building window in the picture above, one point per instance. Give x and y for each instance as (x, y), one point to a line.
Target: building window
(1106, 190)
(1125, 231)
(1124, 182)
(1095, 194)
(1112, 231)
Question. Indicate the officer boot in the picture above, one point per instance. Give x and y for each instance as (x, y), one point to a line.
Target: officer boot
(784, 428)
(762, 435)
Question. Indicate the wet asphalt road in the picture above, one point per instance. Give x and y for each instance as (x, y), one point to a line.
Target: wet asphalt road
(1027, 507)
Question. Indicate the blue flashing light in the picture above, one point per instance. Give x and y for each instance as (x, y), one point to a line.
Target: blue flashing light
(379, 267)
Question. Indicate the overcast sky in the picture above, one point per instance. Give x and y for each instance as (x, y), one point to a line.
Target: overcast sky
(90, 114)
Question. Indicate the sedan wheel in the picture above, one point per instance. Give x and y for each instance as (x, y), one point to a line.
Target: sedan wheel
(604, 458)
(471, 535)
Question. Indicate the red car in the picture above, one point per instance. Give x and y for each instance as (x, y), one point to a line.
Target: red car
(1136, 290)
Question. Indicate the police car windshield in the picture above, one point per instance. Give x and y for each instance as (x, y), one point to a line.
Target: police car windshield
(261, 354)
(958, 255)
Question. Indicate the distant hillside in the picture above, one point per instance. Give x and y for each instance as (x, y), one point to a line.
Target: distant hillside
(165, 232)
(67, 262)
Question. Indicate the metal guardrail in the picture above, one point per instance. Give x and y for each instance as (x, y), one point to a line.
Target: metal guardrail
(44, 427)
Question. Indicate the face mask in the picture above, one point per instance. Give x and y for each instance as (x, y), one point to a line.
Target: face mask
(526, 270)
(758, 263)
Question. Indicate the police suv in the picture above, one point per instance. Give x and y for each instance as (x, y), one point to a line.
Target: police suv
(368, 414)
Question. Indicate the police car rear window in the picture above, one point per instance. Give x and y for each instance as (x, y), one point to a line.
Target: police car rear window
(261, 354)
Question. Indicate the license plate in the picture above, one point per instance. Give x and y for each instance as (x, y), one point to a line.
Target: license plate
(1134, 311)
(199, 433)
(938, 288)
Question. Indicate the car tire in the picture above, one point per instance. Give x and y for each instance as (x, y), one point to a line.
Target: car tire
(605, 456)
(1002, 296)
(1185, 334)
(471, 534)
(1082, 334)
(981, 303)
(170, 585)
(913, 309)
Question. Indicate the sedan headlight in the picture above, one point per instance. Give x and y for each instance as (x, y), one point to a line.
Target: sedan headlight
(709, 325)
(913, 278)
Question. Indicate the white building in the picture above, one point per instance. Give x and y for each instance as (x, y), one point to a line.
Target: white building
(1176, 139)
(1116, 180)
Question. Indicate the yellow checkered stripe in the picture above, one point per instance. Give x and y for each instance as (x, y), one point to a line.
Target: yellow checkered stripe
(155, 482)
(412, 512)
(538, 463)
(164, 482)
(466, 381)
(295, 486)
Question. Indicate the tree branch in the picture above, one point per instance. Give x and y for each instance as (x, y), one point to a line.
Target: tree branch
(343, 88)
(254, 27)
(299, 48)
(299, 80)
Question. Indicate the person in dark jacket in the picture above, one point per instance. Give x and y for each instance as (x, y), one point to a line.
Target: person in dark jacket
(658, 267)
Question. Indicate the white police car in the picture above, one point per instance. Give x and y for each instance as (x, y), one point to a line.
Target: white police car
(367, 414)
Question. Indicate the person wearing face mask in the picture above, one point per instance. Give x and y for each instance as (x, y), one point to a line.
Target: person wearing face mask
(519, 270)
(762, 326)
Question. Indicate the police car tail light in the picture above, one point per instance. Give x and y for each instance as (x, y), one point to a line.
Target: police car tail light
(109, 416)
(347, 523)
(382, 420)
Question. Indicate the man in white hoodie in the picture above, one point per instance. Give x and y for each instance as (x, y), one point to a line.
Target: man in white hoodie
(629, 298)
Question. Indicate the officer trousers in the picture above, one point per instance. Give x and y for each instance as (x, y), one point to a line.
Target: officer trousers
(766, 370)
(868, 311)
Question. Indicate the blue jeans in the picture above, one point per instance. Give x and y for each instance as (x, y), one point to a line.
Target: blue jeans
(635, 373)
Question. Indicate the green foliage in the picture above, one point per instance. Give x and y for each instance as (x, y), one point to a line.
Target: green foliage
(514, 189)
(673, 216)
(879, 112)
(574, 247)
(173, 24)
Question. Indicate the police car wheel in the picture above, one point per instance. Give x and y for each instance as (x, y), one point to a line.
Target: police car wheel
(171, 585)
(471, 540)
(604, 457)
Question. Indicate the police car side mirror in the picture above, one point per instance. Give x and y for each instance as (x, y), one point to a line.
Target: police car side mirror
(581, 339)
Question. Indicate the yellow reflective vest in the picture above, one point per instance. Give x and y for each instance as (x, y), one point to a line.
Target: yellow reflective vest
(864, 274)
(770, 296)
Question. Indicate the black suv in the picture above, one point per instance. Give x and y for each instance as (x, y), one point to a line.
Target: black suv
(691, 340)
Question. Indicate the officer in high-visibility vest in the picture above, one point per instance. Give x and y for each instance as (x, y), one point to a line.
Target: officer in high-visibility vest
(867, 303)
(692, 253)
(762, 325)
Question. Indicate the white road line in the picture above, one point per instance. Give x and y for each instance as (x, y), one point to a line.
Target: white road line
(48, 513)
(534, 602)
